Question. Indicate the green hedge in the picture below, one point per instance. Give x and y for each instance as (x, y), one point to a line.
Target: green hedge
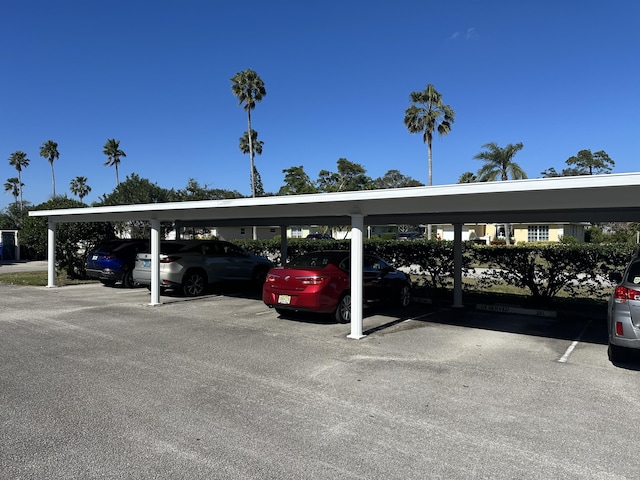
(547, 269)
(543, 269)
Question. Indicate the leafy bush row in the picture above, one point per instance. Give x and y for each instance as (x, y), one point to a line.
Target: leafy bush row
(542, 269)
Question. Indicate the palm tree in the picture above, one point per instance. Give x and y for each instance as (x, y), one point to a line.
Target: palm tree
(499, 163)
(426, 115)
(467, 177)
(248, 87)
(256, 145)
(49, 150)
(79, 187)
(113, 153)
(13, 185)
(19, 160)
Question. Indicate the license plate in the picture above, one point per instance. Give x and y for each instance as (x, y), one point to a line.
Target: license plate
(94, 257)
(284, 299)
(146, 263)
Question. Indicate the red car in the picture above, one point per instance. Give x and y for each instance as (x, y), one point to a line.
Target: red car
(319, 282)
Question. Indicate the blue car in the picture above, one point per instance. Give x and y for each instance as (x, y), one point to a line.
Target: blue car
(113, 261)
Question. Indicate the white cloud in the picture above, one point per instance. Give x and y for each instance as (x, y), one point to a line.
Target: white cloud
(467, 35)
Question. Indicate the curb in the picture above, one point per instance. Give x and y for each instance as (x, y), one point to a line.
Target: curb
(514, 309)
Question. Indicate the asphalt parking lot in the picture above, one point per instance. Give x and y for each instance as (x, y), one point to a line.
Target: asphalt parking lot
(96, 383)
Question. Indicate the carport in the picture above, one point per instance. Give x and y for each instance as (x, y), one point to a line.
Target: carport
(597, 198)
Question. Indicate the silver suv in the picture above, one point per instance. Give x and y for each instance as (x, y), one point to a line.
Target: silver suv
(191, 266)
(623, 312)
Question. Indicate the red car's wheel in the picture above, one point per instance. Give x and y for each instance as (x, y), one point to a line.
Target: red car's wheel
(343, 310)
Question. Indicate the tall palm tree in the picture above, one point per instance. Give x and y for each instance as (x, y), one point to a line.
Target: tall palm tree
(79, 187)
(13, 185)
(19, 160)
(499, 164)
(112, 150)
(249, 88)
(256, 145)
(426, 115)
(49, 150)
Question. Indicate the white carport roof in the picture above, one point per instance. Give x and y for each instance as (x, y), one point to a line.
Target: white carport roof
(577, 199)
(565, 199)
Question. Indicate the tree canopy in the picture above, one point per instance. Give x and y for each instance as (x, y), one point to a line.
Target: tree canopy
(296, 182)
(395, 179)
(71, 238)
(583, 163)
(350, 176)
(592, 163)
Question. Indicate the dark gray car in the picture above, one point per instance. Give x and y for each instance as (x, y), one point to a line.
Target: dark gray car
(623, 312)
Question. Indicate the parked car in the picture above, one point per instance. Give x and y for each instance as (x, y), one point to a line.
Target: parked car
(319, 282)
(319, 236)
(409, 236)
(113, 261)
(623, 312)
(192, 266)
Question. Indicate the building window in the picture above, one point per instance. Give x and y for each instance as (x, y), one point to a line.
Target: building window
(243, 231)
(538, 233)
(296, 232)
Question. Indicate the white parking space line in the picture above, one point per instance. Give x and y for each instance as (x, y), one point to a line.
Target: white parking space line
(567, 354)
(564, 358)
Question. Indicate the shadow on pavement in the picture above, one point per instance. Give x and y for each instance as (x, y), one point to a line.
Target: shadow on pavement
(564, 326)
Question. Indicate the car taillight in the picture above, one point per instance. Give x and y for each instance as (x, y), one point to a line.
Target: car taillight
(168, 258)
(312, 279)
(622, 294)
(272, 277)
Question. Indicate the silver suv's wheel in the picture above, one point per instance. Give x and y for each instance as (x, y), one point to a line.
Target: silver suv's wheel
(617, 354)
(193, 283)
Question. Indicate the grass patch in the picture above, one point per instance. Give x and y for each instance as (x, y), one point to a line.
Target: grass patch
(474, 293)
(38, 279)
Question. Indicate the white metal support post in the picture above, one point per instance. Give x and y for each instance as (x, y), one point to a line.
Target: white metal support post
(357, 226)
(155, 262)
(457, 265)
(283, 244)
(51, 253)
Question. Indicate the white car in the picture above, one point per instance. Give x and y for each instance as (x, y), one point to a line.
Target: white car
(192, 266)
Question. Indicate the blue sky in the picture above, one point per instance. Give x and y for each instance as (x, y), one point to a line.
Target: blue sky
(557, 75)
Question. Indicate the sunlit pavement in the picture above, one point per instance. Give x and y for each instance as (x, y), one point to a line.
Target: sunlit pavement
(96, 383)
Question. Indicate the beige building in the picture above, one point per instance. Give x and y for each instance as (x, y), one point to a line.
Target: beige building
(520, 232)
